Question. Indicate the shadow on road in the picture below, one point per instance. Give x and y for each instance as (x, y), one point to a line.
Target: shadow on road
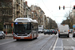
(25, 40)
(64, 37)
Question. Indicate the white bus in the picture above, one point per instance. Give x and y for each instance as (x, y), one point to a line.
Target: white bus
(40, 28)
(25, 28)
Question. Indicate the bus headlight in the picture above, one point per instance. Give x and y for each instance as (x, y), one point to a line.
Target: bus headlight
(14, 35)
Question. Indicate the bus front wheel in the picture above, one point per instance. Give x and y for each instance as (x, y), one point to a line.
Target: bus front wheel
(17, 39)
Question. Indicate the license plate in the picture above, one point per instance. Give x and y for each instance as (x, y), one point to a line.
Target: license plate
(22, 37)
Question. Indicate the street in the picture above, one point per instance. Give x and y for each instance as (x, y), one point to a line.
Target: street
(43, 42)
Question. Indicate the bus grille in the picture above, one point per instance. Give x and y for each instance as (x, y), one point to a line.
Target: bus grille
(21, 35)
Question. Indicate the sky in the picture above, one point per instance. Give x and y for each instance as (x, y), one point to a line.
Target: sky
(51, 8)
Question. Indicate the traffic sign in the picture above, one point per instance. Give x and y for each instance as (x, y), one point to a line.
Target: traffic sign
(73, 26)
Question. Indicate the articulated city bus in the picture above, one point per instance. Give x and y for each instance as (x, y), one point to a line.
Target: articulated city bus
(25, 28)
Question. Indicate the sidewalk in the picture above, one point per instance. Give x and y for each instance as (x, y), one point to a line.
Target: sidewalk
(9, 35)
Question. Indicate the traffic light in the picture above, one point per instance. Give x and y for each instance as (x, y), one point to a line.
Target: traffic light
(63, 7)
(74, 7)
(59, 7)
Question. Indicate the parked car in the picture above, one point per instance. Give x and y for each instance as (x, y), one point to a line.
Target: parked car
(71, 31)
(74, 32)
(47, 32)
(2, 35)
(53, 31)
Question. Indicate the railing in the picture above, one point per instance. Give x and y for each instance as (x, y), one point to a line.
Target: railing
(17, 1)
(6, 5)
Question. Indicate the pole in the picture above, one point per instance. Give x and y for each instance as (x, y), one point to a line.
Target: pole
(6, 29)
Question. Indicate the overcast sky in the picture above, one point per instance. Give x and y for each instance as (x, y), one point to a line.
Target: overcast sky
(51, 8)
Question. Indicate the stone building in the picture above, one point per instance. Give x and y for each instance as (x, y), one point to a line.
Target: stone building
(9, 10)
(38, 14)
(27, 10)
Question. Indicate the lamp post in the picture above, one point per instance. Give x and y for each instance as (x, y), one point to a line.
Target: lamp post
(39, 18)
(4, 25)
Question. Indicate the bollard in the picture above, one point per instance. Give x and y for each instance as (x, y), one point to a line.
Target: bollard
(6, 33)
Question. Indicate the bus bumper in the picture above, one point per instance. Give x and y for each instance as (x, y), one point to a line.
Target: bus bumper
(21, 37)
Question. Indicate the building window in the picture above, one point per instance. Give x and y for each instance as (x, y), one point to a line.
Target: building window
(10, 12)
(2, 11)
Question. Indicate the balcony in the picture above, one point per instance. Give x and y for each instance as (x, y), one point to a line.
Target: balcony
(17, 2)
(6, 5)
(7, 15)
(6, 8)
(18, 10)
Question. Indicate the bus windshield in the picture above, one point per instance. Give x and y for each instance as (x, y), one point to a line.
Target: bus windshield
(22, 27)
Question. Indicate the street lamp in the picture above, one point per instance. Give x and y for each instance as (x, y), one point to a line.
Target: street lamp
(4, 25)
(4, 21)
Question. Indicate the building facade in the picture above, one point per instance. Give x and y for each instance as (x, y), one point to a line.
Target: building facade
(73, 15)
(9, 10)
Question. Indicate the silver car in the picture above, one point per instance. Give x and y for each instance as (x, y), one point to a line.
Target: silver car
(2, 35)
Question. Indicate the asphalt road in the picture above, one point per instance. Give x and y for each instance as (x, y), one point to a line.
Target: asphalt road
(43, 42)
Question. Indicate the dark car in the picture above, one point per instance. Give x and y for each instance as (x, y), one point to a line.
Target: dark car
(73, 33)
(2, 35)
(53, 31)
(47, 32)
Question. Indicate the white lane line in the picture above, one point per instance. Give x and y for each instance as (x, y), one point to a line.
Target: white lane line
(47, 41)
(52, 45)
(68, 47)
(72, 46)
(55, 44)
(6, 42)
(62, 45)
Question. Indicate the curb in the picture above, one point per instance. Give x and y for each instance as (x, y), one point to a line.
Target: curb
(8, 36)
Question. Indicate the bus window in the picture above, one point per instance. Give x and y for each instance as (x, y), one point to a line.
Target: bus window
(29, 26)
(22, 27)
(34, 26)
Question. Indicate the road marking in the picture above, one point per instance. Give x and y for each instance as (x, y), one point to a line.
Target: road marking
(46, 42)
(55, 44)
(51, 46)
(68, 47)
(62, 45)
(6, 42)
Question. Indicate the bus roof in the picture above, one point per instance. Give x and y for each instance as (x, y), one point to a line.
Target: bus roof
(25, 20)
